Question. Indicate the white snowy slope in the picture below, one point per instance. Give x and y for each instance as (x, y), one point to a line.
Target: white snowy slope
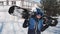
(13, 25)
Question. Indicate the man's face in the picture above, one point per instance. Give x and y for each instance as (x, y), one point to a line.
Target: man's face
(38, 16)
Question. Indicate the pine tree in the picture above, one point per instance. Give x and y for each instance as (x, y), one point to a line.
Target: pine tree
(50, 6)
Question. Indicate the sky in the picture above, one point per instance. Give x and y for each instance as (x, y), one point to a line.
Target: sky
(37, 0)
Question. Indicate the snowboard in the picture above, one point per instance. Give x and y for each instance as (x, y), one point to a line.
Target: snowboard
(26, 14)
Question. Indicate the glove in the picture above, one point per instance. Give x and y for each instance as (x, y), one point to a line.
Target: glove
(26, 23)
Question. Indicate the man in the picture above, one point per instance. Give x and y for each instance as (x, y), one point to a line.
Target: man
(35, 23)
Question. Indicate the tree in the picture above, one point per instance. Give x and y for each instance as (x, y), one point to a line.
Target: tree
(50, 6)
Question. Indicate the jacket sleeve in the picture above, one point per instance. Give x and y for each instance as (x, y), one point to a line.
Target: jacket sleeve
(26, 23)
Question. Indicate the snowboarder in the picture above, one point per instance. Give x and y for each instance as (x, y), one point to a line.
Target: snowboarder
(34, 20)
(34, 23)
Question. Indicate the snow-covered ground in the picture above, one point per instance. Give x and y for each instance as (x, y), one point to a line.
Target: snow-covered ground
(13, 25)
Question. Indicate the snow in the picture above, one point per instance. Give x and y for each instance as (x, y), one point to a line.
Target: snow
(13, 25)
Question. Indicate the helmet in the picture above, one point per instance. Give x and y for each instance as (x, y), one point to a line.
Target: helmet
(39, 12)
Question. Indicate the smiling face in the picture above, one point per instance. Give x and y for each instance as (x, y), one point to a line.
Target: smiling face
(38, 16)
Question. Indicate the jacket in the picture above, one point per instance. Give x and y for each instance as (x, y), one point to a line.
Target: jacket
(34, 22)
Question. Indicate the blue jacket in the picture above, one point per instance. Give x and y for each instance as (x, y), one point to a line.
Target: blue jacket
(32, 23)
